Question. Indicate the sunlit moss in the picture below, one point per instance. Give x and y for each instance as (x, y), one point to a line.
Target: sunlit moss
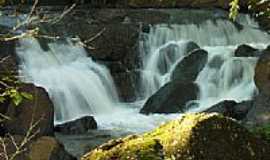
(194, 136)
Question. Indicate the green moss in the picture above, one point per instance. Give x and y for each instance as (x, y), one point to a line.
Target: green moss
(194, 136)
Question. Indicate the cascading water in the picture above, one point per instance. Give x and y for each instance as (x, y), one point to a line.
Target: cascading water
(77, 85)
(225, 77)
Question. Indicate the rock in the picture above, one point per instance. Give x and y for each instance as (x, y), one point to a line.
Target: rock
(246, 51)
(200, 136)
(232, 109)
(9, 62)
(48, 148)
(126, 85)
(40, 110)
(171, 98)
(242, 109)
(43, 148)
(169, 54)
(259, 115)
(225, 108)
(189, 68)
(191, 46)
(79, 126)
(262, 73)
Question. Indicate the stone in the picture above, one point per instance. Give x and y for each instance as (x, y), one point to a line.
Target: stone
(126, 85)
(171, 98)
(39, 111)
(190, 66)
(246, 51)
(232, 109)
(168, 55)
(48, 148)
(79, 126)
(200, 136)
(262, 73)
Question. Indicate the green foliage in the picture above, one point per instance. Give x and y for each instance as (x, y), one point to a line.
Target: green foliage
(9, 90)
(259, 8)
(234, 9)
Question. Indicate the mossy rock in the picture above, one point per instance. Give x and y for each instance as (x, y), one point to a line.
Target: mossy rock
(192, 137)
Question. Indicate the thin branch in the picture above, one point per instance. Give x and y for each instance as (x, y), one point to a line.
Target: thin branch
(95, 37)
(29, 17)
(58, 19)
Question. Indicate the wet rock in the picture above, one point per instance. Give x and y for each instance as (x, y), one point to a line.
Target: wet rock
(224, 108)
(189, 67)
(191, 46)
(39, 110)
(246, 51)
(79, 126)
(126, 85)
(169, 55)
(262, 73)
(200, 136)
(171, 98)
(232, 109)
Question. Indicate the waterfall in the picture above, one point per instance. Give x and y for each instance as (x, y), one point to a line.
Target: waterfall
(79, 86)
(76, 84)
(225, 77)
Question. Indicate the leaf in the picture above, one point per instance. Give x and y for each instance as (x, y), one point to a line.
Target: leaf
(17, 99)
(27, 95)
(2, 99)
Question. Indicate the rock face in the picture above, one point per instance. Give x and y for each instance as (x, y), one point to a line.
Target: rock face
(200, 136)
(43, 148)
(246, 51)
(40, 110)
(262, 73)
(79, 126)
(48, 148)
(232, 109)
(189, 68)
(171, 98)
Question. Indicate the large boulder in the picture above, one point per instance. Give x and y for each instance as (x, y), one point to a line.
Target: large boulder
(79, 126)
(43, 148)
(190, 66)
(194, 136)
(232, 109)
(246, 51)
(171, 98)
(48, 148)
(262, 73)
(37, 113)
